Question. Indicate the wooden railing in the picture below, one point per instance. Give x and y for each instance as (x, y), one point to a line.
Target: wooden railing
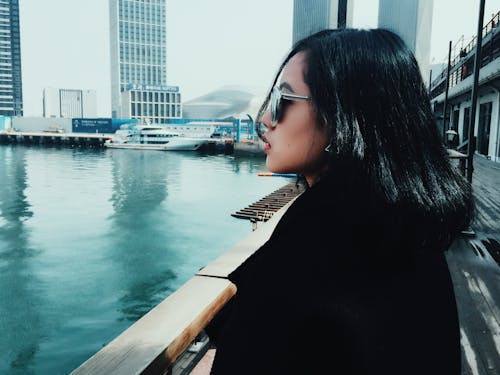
(153, 343)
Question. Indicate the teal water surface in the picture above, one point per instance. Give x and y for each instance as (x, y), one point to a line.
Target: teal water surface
(91, 240)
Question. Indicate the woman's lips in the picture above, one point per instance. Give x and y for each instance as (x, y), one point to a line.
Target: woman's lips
(267, 145)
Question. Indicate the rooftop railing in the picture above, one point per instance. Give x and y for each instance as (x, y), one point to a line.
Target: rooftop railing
(461, 62)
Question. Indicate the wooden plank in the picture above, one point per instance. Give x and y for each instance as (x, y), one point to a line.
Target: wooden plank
(253, 211)
(256, 217)
(273, 204)
(152, 343)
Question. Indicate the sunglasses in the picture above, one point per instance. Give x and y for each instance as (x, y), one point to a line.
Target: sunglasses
(278, 107)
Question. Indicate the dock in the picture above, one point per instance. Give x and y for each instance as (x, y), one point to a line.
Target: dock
(54, 138)
(264, 208)
(216, 145)
(248, 147)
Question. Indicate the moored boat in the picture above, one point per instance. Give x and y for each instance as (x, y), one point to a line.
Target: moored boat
(153, 137)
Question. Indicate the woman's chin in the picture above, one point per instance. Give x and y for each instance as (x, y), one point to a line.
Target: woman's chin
(274, 169)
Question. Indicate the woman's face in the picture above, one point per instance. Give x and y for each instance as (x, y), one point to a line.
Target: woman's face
(296, 144)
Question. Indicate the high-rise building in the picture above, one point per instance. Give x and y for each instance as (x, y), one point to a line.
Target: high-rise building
(11, 92)
(138, 44)
(310, 16)
(412, 21)
(69, 103)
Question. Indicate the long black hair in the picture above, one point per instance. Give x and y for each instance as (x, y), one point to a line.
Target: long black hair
(367, 91)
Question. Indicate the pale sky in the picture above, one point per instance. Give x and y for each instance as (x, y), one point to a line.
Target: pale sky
(210, 43)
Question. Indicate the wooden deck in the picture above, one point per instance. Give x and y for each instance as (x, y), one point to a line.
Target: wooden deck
(475, 268)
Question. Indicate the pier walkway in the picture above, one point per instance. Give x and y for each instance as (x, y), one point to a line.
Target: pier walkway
(474, 263)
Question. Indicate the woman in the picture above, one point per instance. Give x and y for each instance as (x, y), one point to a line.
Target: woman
(353, 279)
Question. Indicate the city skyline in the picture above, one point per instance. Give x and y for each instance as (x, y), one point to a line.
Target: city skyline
(222, 43)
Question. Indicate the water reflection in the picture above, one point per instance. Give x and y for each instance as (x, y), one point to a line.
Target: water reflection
(153, 250)
(250, 165)
(20, 322)
(139, 244)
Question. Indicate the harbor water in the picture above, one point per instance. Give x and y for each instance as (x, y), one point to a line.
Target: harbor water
(92, 239)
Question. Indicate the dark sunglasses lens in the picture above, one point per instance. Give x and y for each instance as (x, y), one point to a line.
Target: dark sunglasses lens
(260, 128)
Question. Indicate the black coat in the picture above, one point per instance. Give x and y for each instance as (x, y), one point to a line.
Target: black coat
(339, 289)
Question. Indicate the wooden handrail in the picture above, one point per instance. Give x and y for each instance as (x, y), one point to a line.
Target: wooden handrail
(154, 342)
(461, 157)
(463, 145)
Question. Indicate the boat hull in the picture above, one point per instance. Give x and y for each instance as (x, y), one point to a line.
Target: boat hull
(184, 144)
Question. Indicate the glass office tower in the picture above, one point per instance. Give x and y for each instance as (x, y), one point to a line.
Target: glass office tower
(11, 91)
(412, 21)
(310, 16)
(138, 43)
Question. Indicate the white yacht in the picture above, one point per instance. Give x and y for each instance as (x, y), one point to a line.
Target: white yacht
(153, 137)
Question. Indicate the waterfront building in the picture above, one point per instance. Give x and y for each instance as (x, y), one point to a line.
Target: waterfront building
(138, 52)
(151, 103)
(11, 93)
(412, 21)
(310, 16)
(458, 101)
(69, 103)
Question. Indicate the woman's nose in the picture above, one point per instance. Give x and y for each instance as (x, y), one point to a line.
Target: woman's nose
(266, 120)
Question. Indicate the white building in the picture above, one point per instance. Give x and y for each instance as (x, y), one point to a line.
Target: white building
(69, 103)
(310, 16)
(150, 103)
(412, 21)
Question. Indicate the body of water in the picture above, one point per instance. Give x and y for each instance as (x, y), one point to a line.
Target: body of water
(91, 240)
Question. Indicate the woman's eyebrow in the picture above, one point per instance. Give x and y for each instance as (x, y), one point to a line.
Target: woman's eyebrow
(286, 85)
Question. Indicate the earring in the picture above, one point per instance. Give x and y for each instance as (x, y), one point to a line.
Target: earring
(328, 148)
